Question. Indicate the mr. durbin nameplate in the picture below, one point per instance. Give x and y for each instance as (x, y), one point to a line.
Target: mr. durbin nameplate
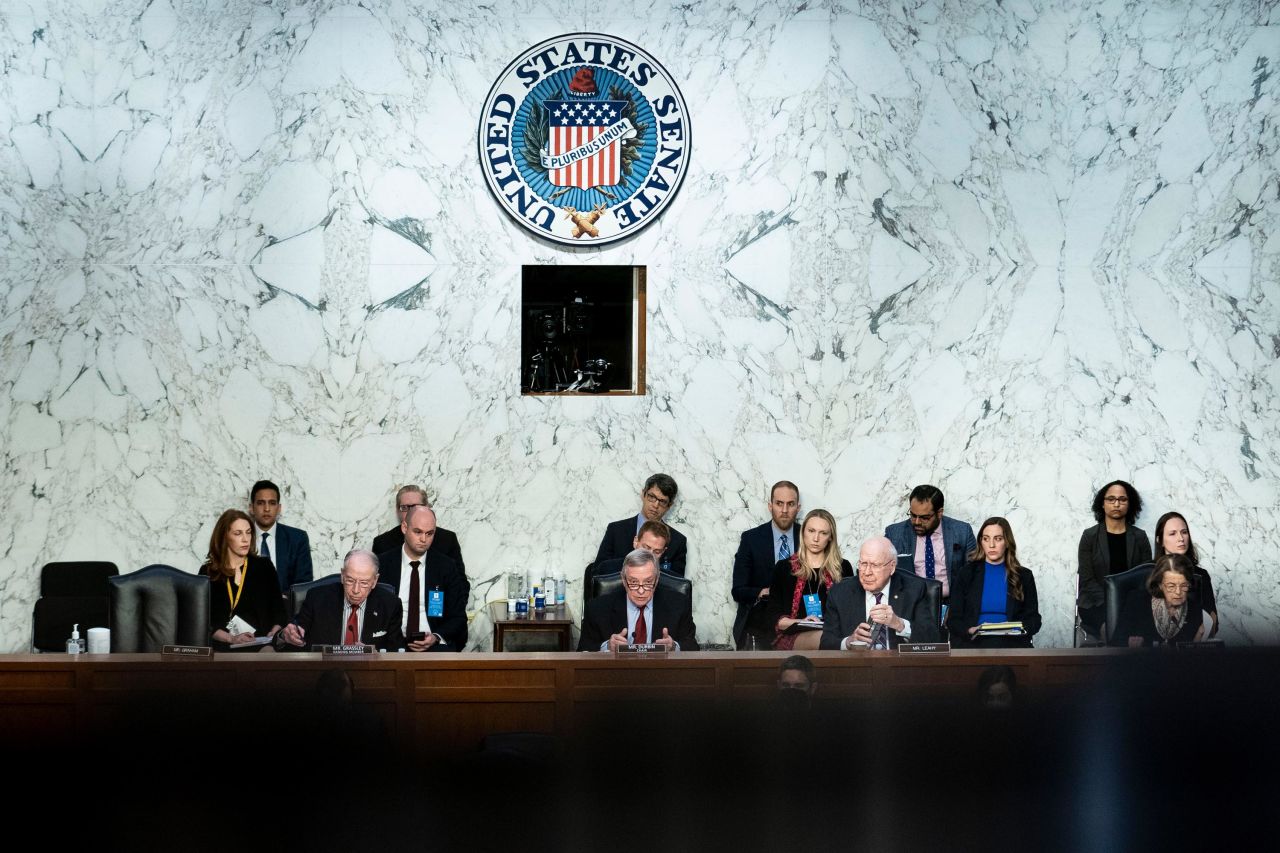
(584, 139)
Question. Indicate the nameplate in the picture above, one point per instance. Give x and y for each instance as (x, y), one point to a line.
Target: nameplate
(187, 651)
(924, 648)
(1202, 646)
(354, 650)
(642, 649)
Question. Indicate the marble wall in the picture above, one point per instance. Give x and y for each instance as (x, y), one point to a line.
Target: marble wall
(1013, 249)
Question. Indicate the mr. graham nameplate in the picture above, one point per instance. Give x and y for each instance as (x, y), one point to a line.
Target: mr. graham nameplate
(584, 139)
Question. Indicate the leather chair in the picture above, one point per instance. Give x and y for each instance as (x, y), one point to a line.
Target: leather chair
(1117, 588)
(605, 584)
(158, 606)
(933, 595)
(757, 632)
(71, 593)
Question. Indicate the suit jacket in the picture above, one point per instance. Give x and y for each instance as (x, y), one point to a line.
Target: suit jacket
(957, 540)
(619, 536)
(966, 602)
(847, 608)
(321, 618)
(445, 542)
(438, 572)
(291, 554)
(753, 570)
(1094, 560)
(607, 615)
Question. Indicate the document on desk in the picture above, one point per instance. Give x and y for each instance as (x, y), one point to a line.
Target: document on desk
(803, 625)
(256, 641)
(1000, 629)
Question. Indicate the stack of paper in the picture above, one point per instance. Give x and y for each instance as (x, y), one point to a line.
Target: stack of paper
(1000, 629)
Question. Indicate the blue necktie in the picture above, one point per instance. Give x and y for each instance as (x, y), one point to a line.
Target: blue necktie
(928, 557)
(784, 547)
(266, 552)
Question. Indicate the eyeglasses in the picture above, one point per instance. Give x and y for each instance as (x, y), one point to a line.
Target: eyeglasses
(407, 507)
(656, 500)
(1175, 587)
(635, 586)
(352, 582)
(1115, 500)
(867, 564)
(925, 517)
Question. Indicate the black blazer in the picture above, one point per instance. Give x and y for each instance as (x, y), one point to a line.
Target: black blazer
(1093, 560)
(445, 542)
(260, 604)
(321, 618)
(847, 609)
(966, 604)
(753, 570)
(438, 572)
(619, 536)
(607, 615)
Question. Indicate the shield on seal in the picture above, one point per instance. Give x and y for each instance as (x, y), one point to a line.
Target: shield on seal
(584, 142)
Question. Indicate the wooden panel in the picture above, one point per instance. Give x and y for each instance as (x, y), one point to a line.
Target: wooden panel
(455, 728)
(200, 676)
(647, 673)
(469, 678)
(37, 679)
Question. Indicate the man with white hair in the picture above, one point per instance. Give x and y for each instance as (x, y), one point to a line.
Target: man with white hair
(878, 607)
(351, 612)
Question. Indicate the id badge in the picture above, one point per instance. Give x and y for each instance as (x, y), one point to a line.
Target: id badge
(812, 605)
(435, 604)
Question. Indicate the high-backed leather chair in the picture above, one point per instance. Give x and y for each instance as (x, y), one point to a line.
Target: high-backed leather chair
(158, 606)
(933, 595)
(605, 584)
(1117, 588)
(71, 593)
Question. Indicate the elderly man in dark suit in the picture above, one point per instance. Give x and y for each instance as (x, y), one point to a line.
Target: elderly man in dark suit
(760, 550)
(928, 544)
(878, 607)
(288, 548)
(657, 496)
(639, 612)
(352, 612)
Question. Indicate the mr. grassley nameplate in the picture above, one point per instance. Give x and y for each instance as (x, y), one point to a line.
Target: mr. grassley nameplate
(584, 139)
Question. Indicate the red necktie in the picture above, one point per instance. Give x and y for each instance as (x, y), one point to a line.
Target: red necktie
(415, 597)
(641, 635)
(353, 627)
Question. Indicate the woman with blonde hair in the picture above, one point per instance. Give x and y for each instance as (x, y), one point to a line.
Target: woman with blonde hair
(800, 583)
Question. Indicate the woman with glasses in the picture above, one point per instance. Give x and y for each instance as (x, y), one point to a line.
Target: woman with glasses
(1164, 611)
(1111, 546)
(994, 587)
(798, 594)
(1173, 536)
(244, 601)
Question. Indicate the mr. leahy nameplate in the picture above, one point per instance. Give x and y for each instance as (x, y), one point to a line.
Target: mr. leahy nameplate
(584, 139)
(924, 648)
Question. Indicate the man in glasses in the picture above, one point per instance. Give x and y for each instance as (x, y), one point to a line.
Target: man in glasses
(446, 541)
(878, 607)
(657, 496)
(355, 611)
(639, 612)
(928, 544)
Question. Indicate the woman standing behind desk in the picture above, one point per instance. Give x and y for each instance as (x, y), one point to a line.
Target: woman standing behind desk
(801, 582)
(244, 585)
(1173, 536)
(1111, 546)
(994, 587)
(1164, 612)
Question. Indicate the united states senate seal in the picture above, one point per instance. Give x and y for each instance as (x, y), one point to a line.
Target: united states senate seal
(584, 139)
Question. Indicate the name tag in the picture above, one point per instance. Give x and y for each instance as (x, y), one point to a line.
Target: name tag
(435, 604)
(812, 605)
(924, 648)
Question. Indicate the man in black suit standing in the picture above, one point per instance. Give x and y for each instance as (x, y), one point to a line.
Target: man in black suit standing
(288, 548)
(445, 542)
(657, 496)
(354, 611)
(639, 612)
(431, 587)
(878, 607)
(760, 550)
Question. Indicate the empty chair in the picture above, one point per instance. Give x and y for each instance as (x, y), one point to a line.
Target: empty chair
(1117, 588)
(158, 606)
(71, 593)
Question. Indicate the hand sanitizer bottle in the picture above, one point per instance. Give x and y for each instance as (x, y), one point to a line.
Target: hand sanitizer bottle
(73, 644)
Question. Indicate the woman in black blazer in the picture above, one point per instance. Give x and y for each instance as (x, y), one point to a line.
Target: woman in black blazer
(974, 601)
(243, 585)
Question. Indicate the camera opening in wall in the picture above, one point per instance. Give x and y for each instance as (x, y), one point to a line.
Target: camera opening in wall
(582, 330)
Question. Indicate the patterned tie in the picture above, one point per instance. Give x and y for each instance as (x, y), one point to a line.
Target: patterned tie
(266, 552)
(877, 630)
(784, 547)
(642, 630)
(415, 597)
(929, 560)
(353, 627)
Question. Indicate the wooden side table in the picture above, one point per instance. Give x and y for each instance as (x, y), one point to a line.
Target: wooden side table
(549, 630)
